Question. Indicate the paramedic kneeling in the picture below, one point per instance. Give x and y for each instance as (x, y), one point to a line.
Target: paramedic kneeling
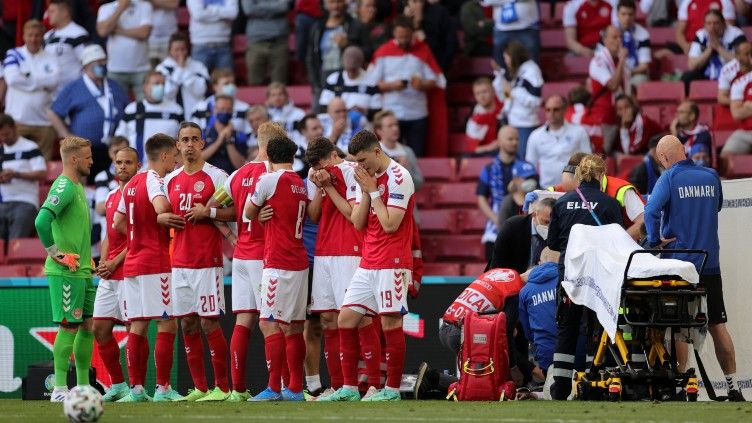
(688, 198)
(587, 205)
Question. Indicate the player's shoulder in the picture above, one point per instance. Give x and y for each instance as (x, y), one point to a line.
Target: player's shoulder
(170, 176)
(62, 184)
(113, 193)
(398, 173)
(214, 171)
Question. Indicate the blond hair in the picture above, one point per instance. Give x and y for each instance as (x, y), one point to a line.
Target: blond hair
(591, 168)
(275, 86)
(33, 24)
(269, 130)
(71, 145)
(380, 116)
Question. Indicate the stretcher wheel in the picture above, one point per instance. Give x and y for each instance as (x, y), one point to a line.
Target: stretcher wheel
(581, 391)
(692, 397)
(614, 396)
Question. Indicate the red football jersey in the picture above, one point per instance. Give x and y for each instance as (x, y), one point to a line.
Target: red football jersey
(148, 242)
(589, 19)
(487, 293)
(240, 186)
(380, 249)
(117, 241)
(198, 245)
(336, 235)
(286, 193)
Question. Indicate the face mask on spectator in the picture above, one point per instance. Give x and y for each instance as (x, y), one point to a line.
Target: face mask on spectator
(100, 71)
(157, 92)
(229, 89)
(224, 117)
(542, 230)
(701, 162)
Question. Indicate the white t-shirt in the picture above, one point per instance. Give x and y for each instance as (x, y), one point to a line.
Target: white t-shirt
(164, 24)
(23, 156)
(512, 15)
(189, 81)
(126, 54)
(549, 150)
(67, 44)
(358, 92)
(164, 117)
(727, 10)
(31, 79)
(211, 21)
(633, 205)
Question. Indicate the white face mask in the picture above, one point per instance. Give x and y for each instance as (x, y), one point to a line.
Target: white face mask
(542, 230)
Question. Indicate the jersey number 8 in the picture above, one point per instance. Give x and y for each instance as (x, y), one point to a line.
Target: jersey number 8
(299, 222)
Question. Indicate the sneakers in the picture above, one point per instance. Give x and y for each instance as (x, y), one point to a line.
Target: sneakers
(385, 394)
(59, 394)
(735, 395)
(236, 396)
(266, 395)
(422, 369)
(194, 395)
(326, 393)
(372, 390)
(135, 397)
(116, 392)
(288, 395)
(216, 394)
(167, 395)
(342, 394)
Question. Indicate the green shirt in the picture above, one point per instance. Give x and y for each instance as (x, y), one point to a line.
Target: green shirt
(71, 228)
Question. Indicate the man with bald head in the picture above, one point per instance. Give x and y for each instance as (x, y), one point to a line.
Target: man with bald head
(340, 124)
(688, 198)
(351, 84)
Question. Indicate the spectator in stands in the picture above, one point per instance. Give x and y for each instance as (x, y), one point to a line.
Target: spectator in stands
(210, 28)
(127, 24)
(351, 84)
(579, 112)
(3, 87)
(154, 114)
(105, 181)
(405, 70)
(636, 40)
(386, 126)
(635, 127)
(432, 24)
(740, 141)
(281, 108)
(226, 147)
(267, 31)
(223, 82)
(687, 127)
(256, 115)
(609, 76)
(66, 40)
(731, 71)
(340, 124)
(552, 144)
(522, 238)
(329, 36)
(23, 167)
(307, 12)
(521, 84)
(32, 75)
(186, 79)
(712, 47)
(482, 126)
(164, 21)
(93, 105)
(524, 180)
(645, 174)
(309, 128)
(493, 183)
(369, 16)
(515, 20)
(700, 155)
(691, 18)
(477, 29)
(583, 22)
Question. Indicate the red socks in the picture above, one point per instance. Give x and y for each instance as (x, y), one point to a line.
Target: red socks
(218, 350)
(136, 359)
(285, 368)
(110, 353)
(370, 348)
(238, 355)
(194, 353)
(331, 353)
(395, 356)
(348, 353)
(274, 345)
(163, 352)
(295, 348)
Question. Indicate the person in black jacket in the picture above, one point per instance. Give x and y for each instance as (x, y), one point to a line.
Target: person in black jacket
(522, 238)
(568, 211)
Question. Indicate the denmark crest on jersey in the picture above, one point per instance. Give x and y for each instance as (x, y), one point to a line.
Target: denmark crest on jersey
(198, 186)
(501, 275)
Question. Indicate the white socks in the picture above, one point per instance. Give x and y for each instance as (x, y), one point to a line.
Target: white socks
(313, 383)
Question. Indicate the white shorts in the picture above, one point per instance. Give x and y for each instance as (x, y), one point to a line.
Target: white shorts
(331, 277)
(198, 292)
(109, 304)
(246, 285)
(378, 291)
(148, 297)
(283, 295)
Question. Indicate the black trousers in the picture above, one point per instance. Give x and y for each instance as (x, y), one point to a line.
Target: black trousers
(568, 319)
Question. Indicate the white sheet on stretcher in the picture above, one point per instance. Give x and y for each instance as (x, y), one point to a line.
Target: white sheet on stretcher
(594, 269)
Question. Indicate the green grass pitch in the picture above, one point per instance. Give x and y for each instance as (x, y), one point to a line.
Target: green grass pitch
(405, 411)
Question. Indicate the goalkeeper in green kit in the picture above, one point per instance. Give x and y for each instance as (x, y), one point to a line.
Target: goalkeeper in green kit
(64, 228)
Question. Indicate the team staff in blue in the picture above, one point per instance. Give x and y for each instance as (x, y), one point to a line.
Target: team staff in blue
(682, 212)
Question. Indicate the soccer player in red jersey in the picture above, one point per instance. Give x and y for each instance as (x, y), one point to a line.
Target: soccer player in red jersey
(284, 281)
(197, 287)
(147, 270)
(109, 305)
(384, 208)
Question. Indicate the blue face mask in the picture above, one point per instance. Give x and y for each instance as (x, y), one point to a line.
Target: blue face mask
(702, 162)
(157, 92)
(224, 117)
(100, 71)
(229, 89)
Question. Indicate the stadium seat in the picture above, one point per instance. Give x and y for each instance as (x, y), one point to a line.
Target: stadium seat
(558, 88)
(54, 169)
(553, 40)
(455, 195)
(441, 269)
(35, 271)
(471, 167)
(465, 248)
(44, 189)
(722, 119)
(13, 271)
(424, 196)
(460, 94)
(706, 113)
(2, 251)
(184, 17)
(437, 169)
(241, 71)
(661, 36)
(25, 251)
(465, 68)
(653, 92)
(473, 269)
(625, 163)
(441, 221)
(719, 138)
(703, 91)
(610, 166)
(734, 167)
(458, 116)
(252, 95)
(471, 221)
(673, 63)
(239, 45)
(301, 95)
(459, 144)
(576, 67)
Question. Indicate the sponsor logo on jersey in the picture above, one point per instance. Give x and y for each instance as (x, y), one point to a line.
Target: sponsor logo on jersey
(396, 196)
(480, 338)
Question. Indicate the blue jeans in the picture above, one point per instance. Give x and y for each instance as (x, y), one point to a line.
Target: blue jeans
(213, 56)
(524, 134)
(303, 24)
(529, 37)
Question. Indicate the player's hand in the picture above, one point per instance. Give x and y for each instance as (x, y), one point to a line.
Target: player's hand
(197, 212)
(69, 260)
(322, 178)
(266, 213)
(413, 288)
(416, 82)
(666, 241)
(171, 220)
(367, 182)
(105, 268)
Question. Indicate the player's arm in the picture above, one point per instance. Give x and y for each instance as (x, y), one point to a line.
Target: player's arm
(343, 206)
(252, 209)
(165, 216)
(359, 215)
(390, 218)
(219, 208)
(57, 201)
(314, 206)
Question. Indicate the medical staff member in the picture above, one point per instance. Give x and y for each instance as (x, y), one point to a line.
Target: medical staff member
(587, 205)
(689, 197)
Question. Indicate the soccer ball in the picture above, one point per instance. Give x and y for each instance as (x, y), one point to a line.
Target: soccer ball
(83, 404)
